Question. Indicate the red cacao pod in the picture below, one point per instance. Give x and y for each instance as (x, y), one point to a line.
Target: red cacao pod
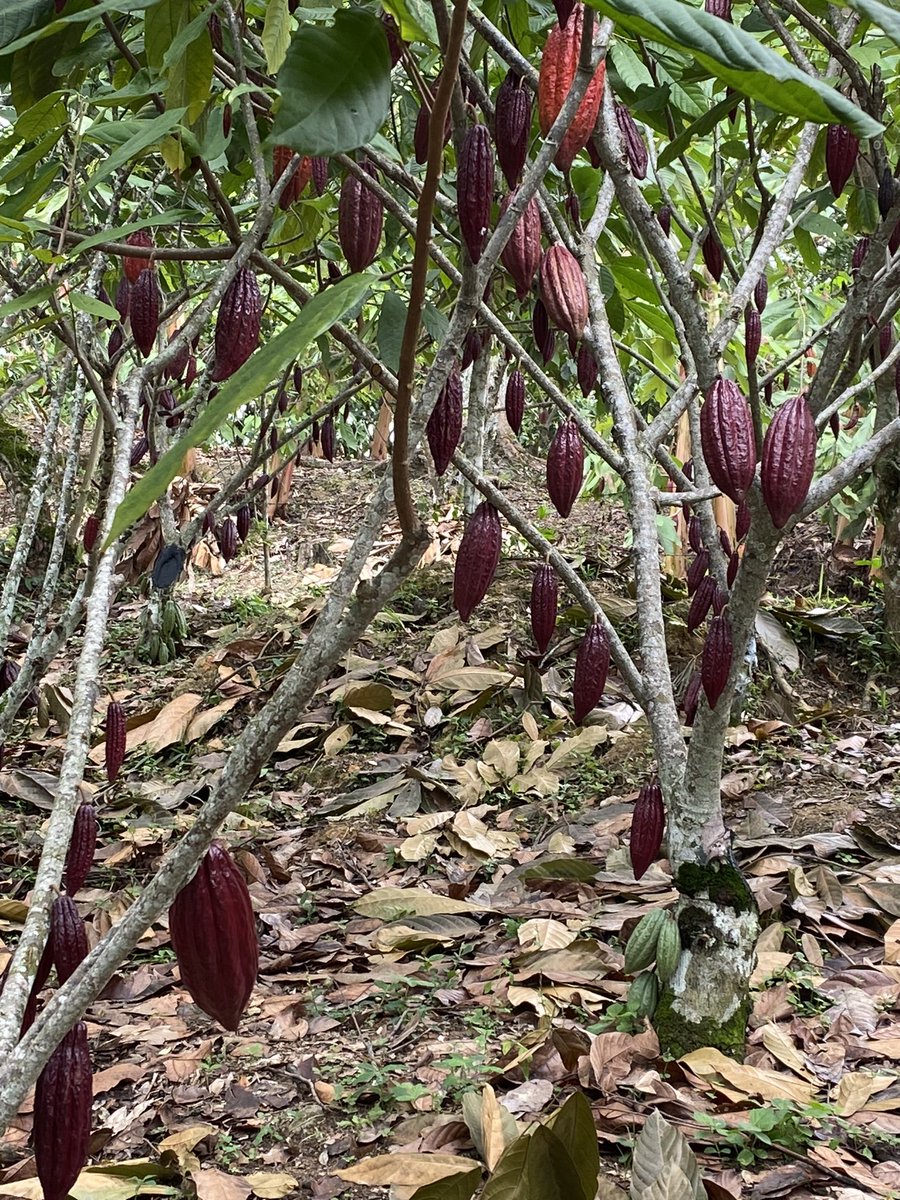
(634, 143)
(591, 670)
(320, 175)
(563, 291)
(444, 428)
(327, 438)
(477, 559)
(726, 434)
(300, 177)
(647, 824)
(213, 933)
(360, 221)
(701, 603)
(691, 698)
(114, 747)
(515, 401)
(68, 937)
(752, 335)
(788, 459)
(544, 337)
(242, 521)
(471, 351)
(226, 536)
(696, 571)
(80, 855)
(559, 63)
(237, 325)
(522, 253)
(62, 1114)
(716, 664)
(664, 217)
(132, 265)
(90, 532)
(475, 189)
(742, 521)
(144, 311)
(841, 151)
(544, 604)
(761, 293)
(512, 126)
(713, 255)
(565, 467)
(587, 369)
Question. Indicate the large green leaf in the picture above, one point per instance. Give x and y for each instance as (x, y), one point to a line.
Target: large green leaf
(880, 14)
(276, 35)
(16, 16)
(391, 324)
(151, 133)
(335, 85)
(249, 382)
(736, 57)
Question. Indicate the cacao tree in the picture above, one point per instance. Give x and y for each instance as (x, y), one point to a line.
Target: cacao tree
(671, 233)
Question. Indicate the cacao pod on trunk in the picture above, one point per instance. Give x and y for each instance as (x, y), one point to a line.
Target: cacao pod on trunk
(647, 824)
(138, 450)
(9, 673)
(544, 603)
(788, 459)
(179, 364)
(696, 571)
(559, 63)
(742, 521)
(471, 351)
(300, 177)
(725, 543)
(90, 532)
(423, 126)
(563, 291)
(131, 264)
(515, 401)
(522, 253)
(80, 855)
(664, 216)
(726, 434)
(841, 151)
(328, 438)
(114, 747)
(237, 325)
(734, 563)
(544, 337)
(587, 369)
(716, 664)
(144, 311)
(226, 536)
(444, 428)
(68, 937)
(565, 467)
(634, 143)
(691, 698)
(860, 250)
(62, 1114)
(720, 599)
(701, 603)
(475, 189)
(761, 293)
(40, 978)
(713, 256)
(752, 335)
(591, 670)
(360, 221)
(213, 933)
(477, 559)
(886, 192)
(512, 126)
(242, 520)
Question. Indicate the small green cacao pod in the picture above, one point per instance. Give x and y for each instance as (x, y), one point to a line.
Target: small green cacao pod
(444, 428)
(564, 291)
(717, 654)
(640, 950)
(565, 467)
(514, 402)
(114, 747)
(62, 1114)
(647, 824)
(643, 995)
(477, 559)
(668, 949)
(80, 855)
(788, 459)
(591, 670)
(544, 604)
(68, 937)
(727, 438)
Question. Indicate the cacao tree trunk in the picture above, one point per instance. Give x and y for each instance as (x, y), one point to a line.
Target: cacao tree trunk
(887, 505)
(484, 380)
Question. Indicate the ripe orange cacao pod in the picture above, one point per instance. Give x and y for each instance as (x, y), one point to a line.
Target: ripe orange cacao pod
(716, 664)
(559, 63)
(477, 559)
(515, 401)
(237, 325)
(544, 603)
(512, 126)
(591, 670)
(713, 256)
(691, 698)
(544, 337)
(226, 536)
(647, 824)
(80, 855)
(841, 152)
(475, 189)
(565, 467)
(68, 937)
(701, 602)
(213, 933)
(144, 311)
(90, 532)
(300, 177)
(788, 459)
(522, 253)
(752, 334)
(115, 739)
(634, 143)
(360, 221)
(444, 428)
(563, 291)
(587, 369)
(726, 434)
(62, 1114)
(131, 264)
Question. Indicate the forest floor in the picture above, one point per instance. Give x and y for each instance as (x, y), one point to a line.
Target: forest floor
(438, 860)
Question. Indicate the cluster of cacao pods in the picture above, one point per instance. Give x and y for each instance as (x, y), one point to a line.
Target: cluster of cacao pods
(559, 63)
(655, 941)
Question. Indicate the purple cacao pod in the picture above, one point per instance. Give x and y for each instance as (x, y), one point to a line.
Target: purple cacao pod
(512, 126)
(242, 520)
(761, 294)
(423, 127)
(647, 824)
(696, 571)
(573, 208)
(144, 311)
(788, 459)
(742, 521)
(716, 664)
(90, 533)
(719, 8)
(138, 450)
(701, 603)
(68, 937)
(691, 698)
(114, 745)
(841, 151)
(713, 256)
(360, 221)
(664, 216)
(587, 369)
(725, 543)
(734, 563)
(565, 467)
(477, 559)
(475, 189)
(752, 335)
(860, 250)
(695, 535)
(80, 855)
(444, 428)
(320, 175)
(591, 670)
(226, 536)
(328, 438)
(634, 143)
(237, 325)
(123, 297)
(62, 1114)
(563, 11)
(886, 192)
(563, 291)
(544, 337)
(515, 401)
(394, 40)
(522, 253)
(298, 379)
(544, 604)
(720, 598)
(471, 350)
(726, 434)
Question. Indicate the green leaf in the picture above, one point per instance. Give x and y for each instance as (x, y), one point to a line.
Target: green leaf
(807, 247)
(391, 323)
(629, 67)
(36, 296)
(18, 16)
(276, 35)
(151, 133)
(451, 1187)
(736, 57)
(415, 20)
(880, 14)
(90, 304)
(49, 113)
(335, 85)
(701, 126)
(573, 1126)
(247, 383)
